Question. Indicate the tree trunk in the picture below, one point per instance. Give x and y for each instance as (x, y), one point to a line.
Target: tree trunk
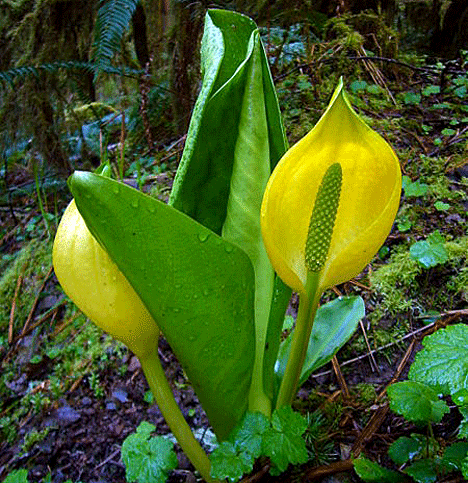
(453, 35)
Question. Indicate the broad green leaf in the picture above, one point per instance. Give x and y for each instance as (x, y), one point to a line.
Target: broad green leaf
(423, 471)
(230, 462)
(430, 252)
(17, 476)
(404, 449)
(335, 322)
(249, 435)
(197, 286)
(431, 89)
(283, 442)
(371, 472)
(416, 402)
(412, 98)
(463, 426)
(460, 398)
(235, 139)
(413, 189)
(454, 456)
(148, 459)
(443, 362)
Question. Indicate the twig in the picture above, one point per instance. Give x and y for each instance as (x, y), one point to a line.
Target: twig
(341, 379)
(65, 324)
(36, 324)
(257, 476)
(399, 369)
(372, 361)
(372, 426)
(36, 301)
(428, 328)
(111, 456)
(377, 418)
(13, 304)
(327, 470)
(8, 235)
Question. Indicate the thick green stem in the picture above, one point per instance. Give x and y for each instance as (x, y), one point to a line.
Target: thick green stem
(170, 410)
(308, 305)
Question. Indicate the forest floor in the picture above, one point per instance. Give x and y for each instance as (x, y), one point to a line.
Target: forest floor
(70, 395)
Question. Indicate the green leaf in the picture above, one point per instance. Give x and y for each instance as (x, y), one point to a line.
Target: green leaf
(460, 91)
(413, 189)
(374, 89)
(230, 462)
(17, 476)
(460, 398)
(148, 459)
(223, 172)
(197, 286)
(416, 402)
(112, 20)
(357, 85)
(430, 252)
(335, 322)
(412, 98)
(454, 456)
(423, 471)
(463, 426)
(443, 362)
(250, 173)
(465, 468)
(249, 435)
(202, 184)
(283, 442)
(429, 90)
(404, 449)
(371, 472)
(255, 436)
(441, 206)
(448, 132)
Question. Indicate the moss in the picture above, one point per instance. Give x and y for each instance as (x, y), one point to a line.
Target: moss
(33, 263)
(365, 393)
(404, 285)
(396, 280)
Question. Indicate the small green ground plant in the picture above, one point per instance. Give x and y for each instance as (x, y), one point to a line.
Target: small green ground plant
(439, 369)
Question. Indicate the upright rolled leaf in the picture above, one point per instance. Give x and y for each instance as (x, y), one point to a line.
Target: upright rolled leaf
(235, 139)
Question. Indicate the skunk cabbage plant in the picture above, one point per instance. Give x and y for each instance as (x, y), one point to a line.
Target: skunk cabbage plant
(202, 268)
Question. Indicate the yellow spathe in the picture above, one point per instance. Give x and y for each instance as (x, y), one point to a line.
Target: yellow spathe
(369, 199)
(95, 284)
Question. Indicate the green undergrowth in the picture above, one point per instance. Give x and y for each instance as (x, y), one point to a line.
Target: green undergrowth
(49, 359)
(405, 285)
(31, 263)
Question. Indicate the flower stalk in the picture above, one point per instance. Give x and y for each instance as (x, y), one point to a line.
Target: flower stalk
(171, 412)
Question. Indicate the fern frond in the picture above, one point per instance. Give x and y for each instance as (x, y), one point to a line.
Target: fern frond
(113, 19)
(11, 75)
